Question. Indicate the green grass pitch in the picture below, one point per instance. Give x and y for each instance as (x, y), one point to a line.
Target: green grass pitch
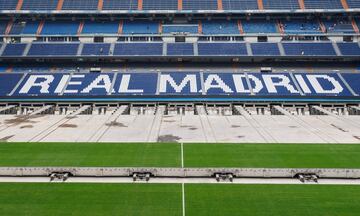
(166, 200)
(169, 155)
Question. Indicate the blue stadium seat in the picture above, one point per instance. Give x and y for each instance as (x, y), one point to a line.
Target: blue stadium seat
(259, 26)
(100, 27)
(96, 49)
(138, 49)
(240, 5)
(339, 25)
(199, 4)
(349, 49)
(353, 80)
(39, 5)
(220, 27)
(180, 28)
(222, 49)
(14, 49)
(80, 4)
(17, 27)
(323, 4)
(309, 49)
(160, 4)
(8, 4)
(281, 4)
(140, 27)
(301, 26)
(180, 49)
(3, 25)
(265, 49)
(353, 3)
(120, 5)
(60, 28)
(53, 49)
(9, 85)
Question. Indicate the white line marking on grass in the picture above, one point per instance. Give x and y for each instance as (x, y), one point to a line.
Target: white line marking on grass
(182, 155)
(183, 199)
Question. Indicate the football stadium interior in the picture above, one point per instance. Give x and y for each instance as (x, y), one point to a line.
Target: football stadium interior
(228, 107)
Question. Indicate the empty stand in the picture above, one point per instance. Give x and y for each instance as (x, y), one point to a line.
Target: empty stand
(259, 26)
(265, 49)
(323, 4)
(222, 49)
(120, 5)
(349, 49)
(80, 5)
(240, 5)
(140, 27)
(281, 4)
(8, 4)
(14, 50)
(199, 4)
(220, 27)
(100, 27)
(180, 28)
(3, 25)
(39, 5)
(60, 28)
(353, 3)
(309, 49)
(180, 49)
(138, 49)
(96, 49)
(160, 4)
(53, 49)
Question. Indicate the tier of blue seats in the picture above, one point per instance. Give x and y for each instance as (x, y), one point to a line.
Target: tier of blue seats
(60, 28)
(259, 26)
(25, 28)
(323, 4)
(353, 3)
(140, 27)
(191, 28)
(14, 49)
(180, 49)
(301, 27)
(222, 49)
(160, 4)
(100, 27)
(8, 4)
(220, 27)
(349, 49)
(309, 49)
(80, 4)
(96, 49)
(138, 49)
(265, 49)
(200, 5)
(120, 5)
(281, 4)
(53, 49)
(39, 5)
(3, 25)
(240, 5)
(339, 26)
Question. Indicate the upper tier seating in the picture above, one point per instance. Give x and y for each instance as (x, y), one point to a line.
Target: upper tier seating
(178, 28)
(96, 49)
(301, 26)
(39, 4)
(222, 49)
(8, 4)
(220, 27)
(100, 27)
(265, 49)
(199, 4)
(138, 49)
(349, 49)
(140, 27)
(3, 26)
(240, 5)
(53, 49)
(180, 49)
(353, 3)
(160, 4)
(14, 50)
(281, 4)
(340, 25)
(80, 5)
(323, 4)
(120, 5)
(60, 28)
(259, 26)
(309, 49)
(30, 28)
